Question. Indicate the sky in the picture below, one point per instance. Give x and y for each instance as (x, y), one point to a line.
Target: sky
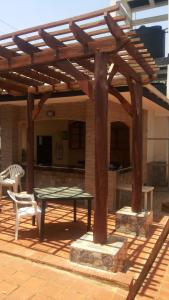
(22, 14)
(19, 14)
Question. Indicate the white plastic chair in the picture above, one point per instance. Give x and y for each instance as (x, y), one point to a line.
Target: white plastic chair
(25, 207)
(11, 177)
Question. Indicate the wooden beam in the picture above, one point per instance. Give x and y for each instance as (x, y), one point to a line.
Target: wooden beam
(30, 145)
(21, 79)
(38, 108)
(55, 44)
(137, 144)
(112, 73)
(125, 104)
(80, 35)
(118, 34)
(125, 69)
(7, 53)
(14, 86)
(25, 46)
(62, 22)
(49, 56)
(66, 65)
(101, 162)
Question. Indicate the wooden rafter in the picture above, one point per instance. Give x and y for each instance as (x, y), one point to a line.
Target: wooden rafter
(70, 59)
(10, 85)
(118, 34)
(55, 44)
(65, 66)
(20, 79)
(38, 108)
(125, 104)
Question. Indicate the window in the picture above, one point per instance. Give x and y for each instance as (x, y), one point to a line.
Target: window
(77, 135)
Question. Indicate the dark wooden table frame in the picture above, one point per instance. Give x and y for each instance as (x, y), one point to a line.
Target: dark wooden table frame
(43, 203)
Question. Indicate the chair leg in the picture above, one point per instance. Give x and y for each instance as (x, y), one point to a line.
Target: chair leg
(20, 187)
(0, 191)
(16, 228)
(15, 188)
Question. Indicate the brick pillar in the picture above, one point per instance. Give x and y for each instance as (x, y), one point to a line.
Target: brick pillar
(9, 135)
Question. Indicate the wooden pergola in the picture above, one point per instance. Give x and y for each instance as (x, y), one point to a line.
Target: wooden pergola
(95, 53)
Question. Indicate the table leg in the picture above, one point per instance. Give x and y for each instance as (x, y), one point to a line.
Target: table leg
(145, 201)
(74, 209)
(33, 221)
(151, 199)
(42, 220)
(89, 214)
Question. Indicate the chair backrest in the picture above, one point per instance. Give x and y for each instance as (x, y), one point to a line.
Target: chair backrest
(16, 170)
(23, 199)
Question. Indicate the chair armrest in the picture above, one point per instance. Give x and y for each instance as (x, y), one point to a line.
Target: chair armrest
(4, 174)
(24, 202)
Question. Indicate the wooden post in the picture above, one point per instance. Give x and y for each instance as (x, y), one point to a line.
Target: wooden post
(101, 163)
(137, 145)
(30, 145)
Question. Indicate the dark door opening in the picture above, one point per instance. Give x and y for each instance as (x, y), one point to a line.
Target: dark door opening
(120, 145)
(44, 150)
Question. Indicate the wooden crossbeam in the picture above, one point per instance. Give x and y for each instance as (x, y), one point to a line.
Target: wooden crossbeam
(38, 108)
(10, 85)
(112, 74)
(65, 66)
(55, 43)
(86, 16)
(36, 75)
(21, 79)
(118, 34)
(68, 31)
(125, 69)
(7, 53)
(125, 104)
(49, 56)
(80, 35)
(84, 39)
(31, 49)
(25, 46)
(54, 76)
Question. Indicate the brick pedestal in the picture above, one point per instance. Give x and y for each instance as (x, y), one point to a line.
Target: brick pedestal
(109, 257)
(133, 223)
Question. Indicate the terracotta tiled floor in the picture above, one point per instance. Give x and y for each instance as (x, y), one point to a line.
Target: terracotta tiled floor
(60, 232)
(22, 280)
(156, 284)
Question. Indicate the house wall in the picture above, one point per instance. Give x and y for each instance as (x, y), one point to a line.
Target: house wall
(9, 135)
(158, 149)
(13, 123)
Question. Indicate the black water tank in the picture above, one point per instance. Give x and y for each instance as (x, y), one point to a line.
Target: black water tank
(153, 39)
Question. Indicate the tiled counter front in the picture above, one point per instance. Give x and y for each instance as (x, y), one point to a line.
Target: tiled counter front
(58, 177)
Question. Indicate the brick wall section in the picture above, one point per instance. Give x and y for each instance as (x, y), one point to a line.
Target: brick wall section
(83, 111)
(9, 134)
(63, 111)
(115, 113)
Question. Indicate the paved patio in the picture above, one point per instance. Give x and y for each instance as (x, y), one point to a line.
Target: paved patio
(61, 231)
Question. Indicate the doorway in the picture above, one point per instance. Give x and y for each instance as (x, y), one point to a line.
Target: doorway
(44, 150)
(120, 145)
